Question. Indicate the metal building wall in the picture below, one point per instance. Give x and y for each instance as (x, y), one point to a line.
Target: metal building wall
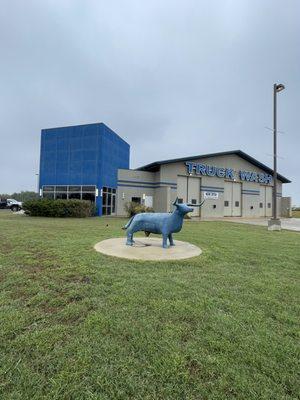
(244, 198)
(82, 155)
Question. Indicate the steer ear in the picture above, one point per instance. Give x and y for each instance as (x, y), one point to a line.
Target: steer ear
(175, 202)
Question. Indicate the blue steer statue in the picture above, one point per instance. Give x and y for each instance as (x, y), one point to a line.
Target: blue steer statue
(163, 223)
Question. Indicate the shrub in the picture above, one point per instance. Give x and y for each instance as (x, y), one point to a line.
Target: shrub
(59, 208)
(133, 208)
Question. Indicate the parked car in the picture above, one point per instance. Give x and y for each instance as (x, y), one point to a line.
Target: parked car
(11, 204)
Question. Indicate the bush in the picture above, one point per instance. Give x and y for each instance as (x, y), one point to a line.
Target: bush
(133, 208)
(59, 208)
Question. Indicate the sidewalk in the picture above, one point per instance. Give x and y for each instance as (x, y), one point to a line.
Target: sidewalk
(292, 224)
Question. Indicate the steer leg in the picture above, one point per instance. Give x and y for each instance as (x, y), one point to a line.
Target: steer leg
(171, 240)
(130, 240)
(165, 241)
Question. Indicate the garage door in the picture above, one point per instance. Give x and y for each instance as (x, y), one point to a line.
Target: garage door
(232, 199)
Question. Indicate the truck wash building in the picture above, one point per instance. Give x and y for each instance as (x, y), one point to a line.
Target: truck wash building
(92, 162)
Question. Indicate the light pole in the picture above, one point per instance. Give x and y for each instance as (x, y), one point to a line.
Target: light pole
(274, 223)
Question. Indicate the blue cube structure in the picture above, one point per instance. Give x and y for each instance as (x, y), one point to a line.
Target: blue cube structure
(82, 162)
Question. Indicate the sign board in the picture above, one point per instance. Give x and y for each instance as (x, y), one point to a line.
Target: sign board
(149, 201)
(227, 173)
(211, 195)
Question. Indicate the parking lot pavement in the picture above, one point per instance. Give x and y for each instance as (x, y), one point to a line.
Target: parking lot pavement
(291, 224)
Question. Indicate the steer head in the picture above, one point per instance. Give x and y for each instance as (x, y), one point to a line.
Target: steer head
(184, 208)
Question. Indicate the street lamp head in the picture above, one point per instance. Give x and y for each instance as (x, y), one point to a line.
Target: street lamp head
(280, 87)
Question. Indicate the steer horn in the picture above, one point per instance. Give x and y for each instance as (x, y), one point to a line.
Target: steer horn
(196, 205)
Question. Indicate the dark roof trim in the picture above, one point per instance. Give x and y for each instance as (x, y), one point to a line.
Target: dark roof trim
(156, 165)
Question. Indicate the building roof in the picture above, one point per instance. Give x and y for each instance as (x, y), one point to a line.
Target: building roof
(156, 165)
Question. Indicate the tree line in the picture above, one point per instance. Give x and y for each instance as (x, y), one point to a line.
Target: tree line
(21, 196)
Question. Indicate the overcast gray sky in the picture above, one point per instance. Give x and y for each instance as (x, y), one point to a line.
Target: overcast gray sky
(173, 78)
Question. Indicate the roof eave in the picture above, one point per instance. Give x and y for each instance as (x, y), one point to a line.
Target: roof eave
(152, 167)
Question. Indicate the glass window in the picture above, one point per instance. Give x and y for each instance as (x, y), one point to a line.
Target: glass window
(269, 205)
(88, 188)
(48, 188)
(48, 196)
(88, 196)
(114, 204)
(226, 203)
(180, 201)
(74, 196)
(75, 189)
(61, 188)
(194, 201)
(261, 205)
(237, 203)
(61, 195)
(136, 200)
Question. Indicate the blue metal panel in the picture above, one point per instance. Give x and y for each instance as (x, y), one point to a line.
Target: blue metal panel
(82, 155)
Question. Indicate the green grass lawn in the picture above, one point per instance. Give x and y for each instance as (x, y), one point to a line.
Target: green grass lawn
(76, 324)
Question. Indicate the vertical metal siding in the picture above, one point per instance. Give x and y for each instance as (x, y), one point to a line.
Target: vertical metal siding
(82, 155)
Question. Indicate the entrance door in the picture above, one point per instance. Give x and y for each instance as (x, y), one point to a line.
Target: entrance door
(108, 201)
(193, 194)
(232, 199)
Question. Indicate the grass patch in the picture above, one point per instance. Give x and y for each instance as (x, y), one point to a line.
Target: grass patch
(76, 324)
(296, 214)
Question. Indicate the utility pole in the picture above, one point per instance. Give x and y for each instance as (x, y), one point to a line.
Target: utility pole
(274, 224)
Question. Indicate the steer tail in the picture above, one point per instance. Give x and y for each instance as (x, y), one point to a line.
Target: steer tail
(128, 223)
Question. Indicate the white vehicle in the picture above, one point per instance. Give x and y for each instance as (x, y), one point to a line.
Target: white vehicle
(14, 205)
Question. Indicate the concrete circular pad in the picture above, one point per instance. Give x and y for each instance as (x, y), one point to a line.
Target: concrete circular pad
(147, 249)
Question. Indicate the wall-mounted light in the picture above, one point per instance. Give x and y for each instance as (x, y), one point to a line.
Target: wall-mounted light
(41, 192)
(144, 196)
(123, 196)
